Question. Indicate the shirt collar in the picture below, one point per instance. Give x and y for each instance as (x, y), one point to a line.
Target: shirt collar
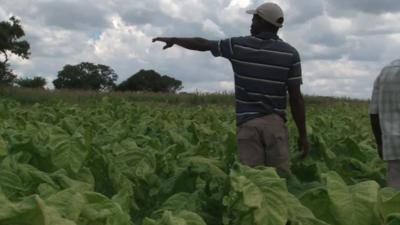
(267, 36)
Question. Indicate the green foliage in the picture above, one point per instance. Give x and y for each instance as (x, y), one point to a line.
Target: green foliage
(149, 80)
(10, 34)
(7, 76)
(86, 76)
(260, 196)
(117, 162)
(35, 82)
(348, 204)
(32, 96)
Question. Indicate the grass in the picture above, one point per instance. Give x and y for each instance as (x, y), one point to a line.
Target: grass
(32, 96)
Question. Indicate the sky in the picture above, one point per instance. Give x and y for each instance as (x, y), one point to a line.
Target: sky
(343, 43)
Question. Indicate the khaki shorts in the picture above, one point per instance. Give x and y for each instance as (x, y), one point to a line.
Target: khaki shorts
(264, 141)
(393, 175)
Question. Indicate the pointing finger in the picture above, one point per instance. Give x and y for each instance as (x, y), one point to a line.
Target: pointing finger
(166, 46)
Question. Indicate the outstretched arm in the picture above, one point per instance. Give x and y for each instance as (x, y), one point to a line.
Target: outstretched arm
(299, 115)
(197, 44)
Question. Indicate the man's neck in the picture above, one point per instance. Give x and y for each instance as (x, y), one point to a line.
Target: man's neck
(265, 31)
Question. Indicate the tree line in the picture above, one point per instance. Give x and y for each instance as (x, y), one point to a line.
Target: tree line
(86, 75)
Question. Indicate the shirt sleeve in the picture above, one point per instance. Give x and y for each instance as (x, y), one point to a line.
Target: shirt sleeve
(222, 48)
(295, 73)
(374, 105)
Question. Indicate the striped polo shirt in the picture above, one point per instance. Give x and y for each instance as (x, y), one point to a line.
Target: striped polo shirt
(264, 66)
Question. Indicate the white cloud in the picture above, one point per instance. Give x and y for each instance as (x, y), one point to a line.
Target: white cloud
(300, 11)
(343, 43)
(18, 61)
(340, 78)
(121, 40)
(395, 38)
(340, 25)
(227, 85)
(349, 7)
(210, 27)
(234, 13)
(3, 15)
(188, 10)
(171, 7)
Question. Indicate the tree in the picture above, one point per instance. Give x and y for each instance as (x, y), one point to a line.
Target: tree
(87, 76)
(7, 76)
(149, 80)
(36, 82)
(10, 34)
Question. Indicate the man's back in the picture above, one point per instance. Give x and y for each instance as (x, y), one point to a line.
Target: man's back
(263, 66)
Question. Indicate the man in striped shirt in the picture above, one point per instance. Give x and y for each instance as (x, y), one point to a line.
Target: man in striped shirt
(385, 119)
(265, 69)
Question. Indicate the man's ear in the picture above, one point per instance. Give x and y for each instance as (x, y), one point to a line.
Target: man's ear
(280, 20)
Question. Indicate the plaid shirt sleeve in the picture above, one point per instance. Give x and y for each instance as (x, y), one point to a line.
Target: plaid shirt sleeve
(374, 105)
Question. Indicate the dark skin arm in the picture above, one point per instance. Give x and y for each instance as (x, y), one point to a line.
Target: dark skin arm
(197, 44)
(376, 129)
(296, 102)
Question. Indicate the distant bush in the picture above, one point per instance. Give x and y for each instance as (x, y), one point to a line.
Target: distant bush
(36, 82)
(86, 76)
(150, 81)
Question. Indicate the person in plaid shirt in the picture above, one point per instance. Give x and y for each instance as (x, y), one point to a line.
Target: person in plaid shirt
(385, 119)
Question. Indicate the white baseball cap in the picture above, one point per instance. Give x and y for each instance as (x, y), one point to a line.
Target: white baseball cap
(270, 12)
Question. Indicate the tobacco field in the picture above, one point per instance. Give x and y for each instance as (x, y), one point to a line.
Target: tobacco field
(114, 162)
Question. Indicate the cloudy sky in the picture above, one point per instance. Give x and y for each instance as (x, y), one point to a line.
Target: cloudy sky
(343, 43)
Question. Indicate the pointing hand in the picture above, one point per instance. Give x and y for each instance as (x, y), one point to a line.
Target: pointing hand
(169, 42)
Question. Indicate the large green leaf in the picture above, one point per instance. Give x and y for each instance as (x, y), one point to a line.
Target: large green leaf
(11, 183)
(179, 202)
(19, 179)
(68, 202)
(124, 198)
(99, 208)
(301, 215)
(30, 211)
(318, 201)
(257, 196)
(352, 205)
(68, 152)
(180, 218)
(3, 147)
(388, 201)
(393, 219)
